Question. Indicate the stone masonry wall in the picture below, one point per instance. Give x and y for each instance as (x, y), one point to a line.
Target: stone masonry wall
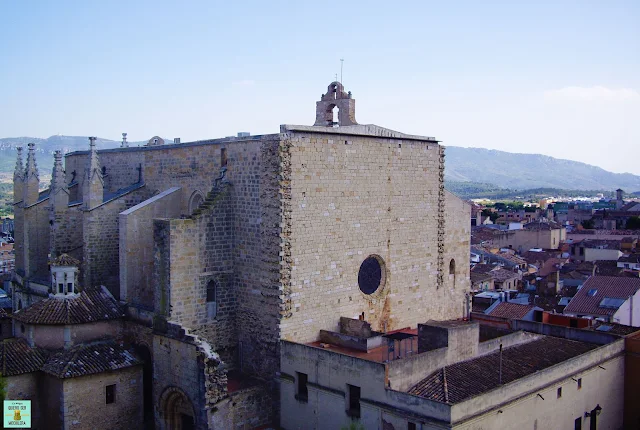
(66, 232)
(457, 248)
(121, 168)
(85, 405)
(356, 196)
(36, 224)
(248, 408)
(101, 241)
(136, 245)
(215, 226)
(257, 254)
(178, 364)
(18, 234)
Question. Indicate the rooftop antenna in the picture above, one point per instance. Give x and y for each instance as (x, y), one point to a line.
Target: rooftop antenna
(341, 64)
(500, 376)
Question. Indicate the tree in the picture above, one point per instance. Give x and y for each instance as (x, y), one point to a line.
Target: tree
(354, 425)
(633, 223)
(588, 224)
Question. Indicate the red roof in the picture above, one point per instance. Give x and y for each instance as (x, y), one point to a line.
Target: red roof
(514, 311)
(588, 299)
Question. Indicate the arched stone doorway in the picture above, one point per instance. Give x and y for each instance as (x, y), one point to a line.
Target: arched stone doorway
(176, 410)
(195, 201)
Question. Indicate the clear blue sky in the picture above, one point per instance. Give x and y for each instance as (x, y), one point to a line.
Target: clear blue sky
(560, 78)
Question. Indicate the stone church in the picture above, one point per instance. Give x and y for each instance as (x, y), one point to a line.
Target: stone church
(191, 270)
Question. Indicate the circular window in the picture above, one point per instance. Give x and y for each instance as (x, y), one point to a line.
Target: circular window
(371, 275)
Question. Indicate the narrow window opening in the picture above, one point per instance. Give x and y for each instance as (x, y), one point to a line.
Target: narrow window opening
(302, 389)
(452, 270)
(60, 288)
(354, 401)
(559, 392)
(110, 394)
(223, 157)
(579, 383)
(578, 424)
(411, 426)
(212, 309)
(70, 288)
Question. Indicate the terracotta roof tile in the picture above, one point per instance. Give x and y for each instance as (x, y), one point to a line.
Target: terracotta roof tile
(511, 310)
(65, 260)
(94, 304)
(588, 299)
(479, 277)
(89, 359)
(18, 357)
(460, 381)
(538, 226)
(502, 275)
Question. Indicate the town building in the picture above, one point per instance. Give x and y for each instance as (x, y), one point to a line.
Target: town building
(223, 252)
(596, 250)
(608, 299)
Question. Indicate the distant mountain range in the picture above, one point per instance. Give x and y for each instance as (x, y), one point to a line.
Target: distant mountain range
(463, 165)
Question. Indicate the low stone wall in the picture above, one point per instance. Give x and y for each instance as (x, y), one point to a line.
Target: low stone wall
(248, 408)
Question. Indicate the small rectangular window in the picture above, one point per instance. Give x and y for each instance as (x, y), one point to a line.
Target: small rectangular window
(302, 393)
(578, 424)
(354, 401)
(223, 157)
(411, 426)
(110, 394)
(579, 383)
(60, 288)
(559, 392)
(69, 288)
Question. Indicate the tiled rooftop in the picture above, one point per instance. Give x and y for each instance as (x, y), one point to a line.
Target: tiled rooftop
(511, 310)
(539, 226)
(501, 275)
(461, 381)
(89, 359)
(18, 358)
(92, 304)
(65, 260)
(479, 277)
(588, 299)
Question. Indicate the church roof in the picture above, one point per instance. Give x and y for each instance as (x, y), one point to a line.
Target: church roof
(92, 304)
(88, 359)
(65, 260)
(17, 357)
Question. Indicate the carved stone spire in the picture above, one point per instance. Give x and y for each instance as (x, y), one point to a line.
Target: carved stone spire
(19, 170)
(93, 183)
(59, 193)
(18, 178)
(31, 177)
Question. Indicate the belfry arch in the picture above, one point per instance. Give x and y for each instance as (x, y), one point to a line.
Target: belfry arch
(336, 97)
